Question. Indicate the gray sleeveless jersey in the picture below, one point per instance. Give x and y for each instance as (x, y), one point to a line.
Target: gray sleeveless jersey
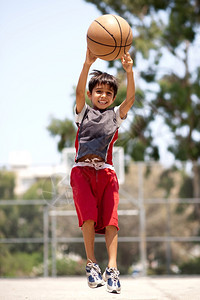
(97, 132)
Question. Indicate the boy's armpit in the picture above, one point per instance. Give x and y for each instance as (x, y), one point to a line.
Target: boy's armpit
(79, 117)
(119, 119)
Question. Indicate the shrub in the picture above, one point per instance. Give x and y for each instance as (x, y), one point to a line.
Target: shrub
(191, 267)
(19, 264)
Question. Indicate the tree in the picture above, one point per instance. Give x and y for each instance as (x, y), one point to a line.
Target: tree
(7, 184)
(165, 32)
(165, 36)
(8, 214)
(65, 130)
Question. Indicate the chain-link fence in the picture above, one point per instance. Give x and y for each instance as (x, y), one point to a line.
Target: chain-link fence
(158, 219)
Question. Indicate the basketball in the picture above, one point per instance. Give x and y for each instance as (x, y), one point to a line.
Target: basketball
(109, 37)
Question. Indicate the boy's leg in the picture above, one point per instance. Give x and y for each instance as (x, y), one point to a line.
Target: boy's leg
(93, 271)
(111, 274)
(89, 236)
(111, 238)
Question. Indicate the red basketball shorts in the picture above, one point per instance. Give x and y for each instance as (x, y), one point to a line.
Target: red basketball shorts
(96, 196)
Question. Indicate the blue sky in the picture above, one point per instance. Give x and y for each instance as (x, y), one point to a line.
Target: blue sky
(43, 45)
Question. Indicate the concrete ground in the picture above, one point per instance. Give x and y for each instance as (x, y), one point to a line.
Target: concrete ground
(76, 288)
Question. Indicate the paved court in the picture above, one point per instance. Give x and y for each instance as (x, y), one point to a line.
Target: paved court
(62, 288)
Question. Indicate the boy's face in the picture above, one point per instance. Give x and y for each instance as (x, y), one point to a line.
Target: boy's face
(102, 96)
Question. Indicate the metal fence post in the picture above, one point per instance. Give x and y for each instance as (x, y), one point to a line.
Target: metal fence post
(143, 256)
(168, 243)
(45, 240)
(53, 244)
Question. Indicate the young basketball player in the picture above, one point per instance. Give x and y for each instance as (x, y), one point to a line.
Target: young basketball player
(93, 178)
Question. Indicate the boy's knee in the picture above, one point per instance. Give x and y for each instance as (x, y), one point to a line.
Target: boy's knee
(111, 228)
(88, 223)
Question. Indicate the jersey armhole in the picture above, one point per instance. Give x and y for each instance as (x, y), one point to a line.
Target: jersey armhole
(118, 118)
(79, 117)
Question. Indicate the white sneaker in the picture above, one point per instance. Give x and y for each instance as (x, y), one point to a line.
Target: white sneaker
(93, 273)
(111, 275)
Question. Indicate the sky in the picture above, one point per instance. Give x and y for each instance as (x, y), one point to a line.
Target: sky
(43, 46)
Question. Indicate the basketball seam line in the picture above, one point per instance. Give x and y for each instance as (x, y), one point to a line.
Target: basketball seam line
(121, 36)
(107, 31)
(128, 37)
(122, 46)
(101, 55)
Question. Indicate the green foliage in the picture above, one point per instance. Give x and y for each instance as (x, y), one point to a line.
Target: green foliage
(37, 189)
(65, 266)
(180, 19)
(68, 266)
(160, 270)
(31, 216)
(121, 95)
(7, 184)
(166, 182)
(65, 130)
(190, 267)
(25, 220)
(185, 191)
(186, 188)
(138, 152)
(21, 222)
(9, 221)
(19, 264)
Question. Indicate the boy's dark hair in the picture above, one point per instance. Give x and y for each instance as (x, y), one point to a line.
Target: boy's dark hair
(102, 78)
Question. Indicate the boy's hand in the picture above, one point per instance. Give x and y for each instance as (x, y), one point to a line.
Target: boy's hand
(90, 57)
(127, 62)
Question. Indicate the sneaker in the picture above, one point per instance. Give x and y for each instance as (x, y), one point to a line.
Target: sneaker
(93, 273)
(111, 275)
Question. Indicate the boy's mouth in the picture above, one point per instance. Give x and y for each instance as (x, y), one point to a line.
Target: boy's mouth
(103, 102)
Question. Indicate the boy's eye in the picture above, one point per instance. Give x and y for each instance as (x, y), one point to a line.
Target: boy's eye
(100, 92)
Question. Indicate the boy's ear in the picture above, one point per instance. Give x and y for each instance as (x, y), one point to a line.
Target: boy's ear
(89, 95)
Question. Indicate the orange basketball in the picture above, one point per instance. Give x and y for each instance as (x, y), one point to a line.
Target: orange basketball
(109, 37)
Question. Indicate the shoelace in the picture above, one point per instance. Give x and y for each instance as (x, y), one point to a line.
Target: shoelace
(94, 268)
(114, 274)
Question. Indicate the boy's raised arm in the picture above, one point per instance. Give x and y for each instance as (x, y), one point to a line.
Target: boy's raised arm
(127, 64)
(80, 89)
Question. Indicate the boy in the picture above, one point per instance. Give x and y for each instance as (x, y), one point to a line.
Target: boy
(93, 179)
